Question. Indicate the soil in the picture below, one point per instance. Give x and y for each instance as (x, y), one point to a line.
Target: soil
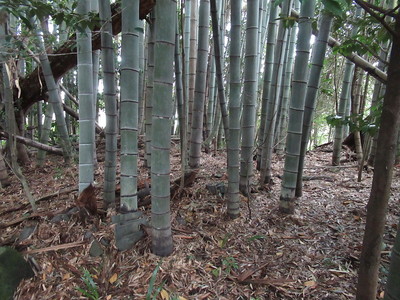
(313, 254)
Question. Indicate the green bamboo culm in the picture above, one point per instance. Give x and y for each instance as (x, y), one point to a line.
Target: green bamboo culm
(344, 101)
(282, 126)
(317, 60)
(86, 99)
(94, 8)
(164, 47)
(142, 61)
(234, 111)
(45, 134)
(186, 48)
(180, 99)
(183, 127)
(129, 104)
(273, 98)
(196, 136)
(249, 95)
(54, 97)
(268, 67)
(194, 28)
(217, 18)
(110, 99)
(149, 92)
(295, 125)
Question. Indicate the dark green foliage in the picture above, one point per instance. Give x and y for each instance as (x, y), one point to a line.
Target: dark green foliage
(336, 7)
(90, 289)
(152, 290)
(59, 10)
(357, 122)
(371, 34)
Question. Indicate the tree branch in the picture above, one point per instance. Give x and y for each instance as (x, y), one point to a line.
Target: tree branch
(34, 144)
(386, 12)
(64, 58)
(380, 19)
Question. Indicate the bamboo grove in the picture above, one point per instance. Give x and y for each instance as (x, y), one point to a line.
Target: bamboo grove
(255, 78)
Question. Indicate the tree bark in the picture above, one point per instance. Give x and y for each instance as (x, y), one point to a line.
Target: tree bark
(383, 170)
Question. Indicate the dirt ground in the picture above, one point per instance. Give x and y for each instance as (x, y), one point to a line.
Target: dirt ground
(313, 254)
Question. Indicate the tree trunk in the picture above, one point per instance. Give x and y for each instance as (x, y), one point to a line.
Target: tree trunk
(317, 61)
(110, 99)
(129, 104)
(4, 180)
(149, 93)
(54, 98)
(268, 67)
(295, 126)
(273, 98)
(234, 111)
(392, 290)
(86, 107)
(383, 170)
(249, 96)
(194, 12)
(200, 86)
(165, 12)
(282, 130)
(44, 137)
(180, 103)
(218, 64)
(355, 110)
(343, 103)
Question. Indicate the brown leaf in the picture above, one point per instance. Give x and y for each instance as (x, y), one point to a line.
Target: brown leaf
(113, 278)
(246, 274)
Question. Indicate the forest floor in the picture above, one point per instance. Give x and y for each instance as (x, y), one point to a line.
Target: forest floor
(313, 254)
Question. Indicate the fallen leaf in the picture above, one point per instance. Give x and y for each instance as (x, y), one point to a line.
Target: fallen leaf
(113, 278)
(66, 276)
(164, 295)
(310, 283)
(246, 274)
(205, 296)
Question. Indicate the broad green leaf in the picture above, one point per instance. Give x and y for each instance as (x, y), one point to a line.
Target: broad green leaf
(336, 7)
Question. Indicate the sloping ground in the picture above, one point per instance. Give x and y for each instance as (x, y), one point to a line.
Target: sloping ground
(261, 255)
